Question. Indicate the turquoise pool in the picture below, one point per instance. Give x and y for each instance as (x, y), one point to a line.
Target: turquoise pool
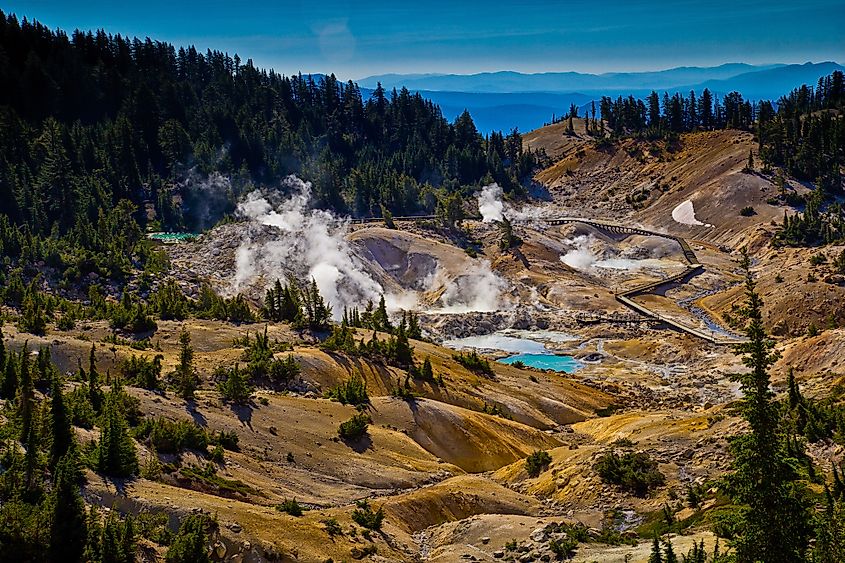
(566, 364)
(172, 237)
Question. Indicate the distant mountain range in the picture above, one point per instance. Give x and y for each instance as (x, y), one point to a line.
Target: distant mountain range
(507, 99)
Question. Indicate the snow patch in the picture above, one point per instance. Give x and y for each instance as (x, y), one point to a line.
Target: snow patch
(685, 214)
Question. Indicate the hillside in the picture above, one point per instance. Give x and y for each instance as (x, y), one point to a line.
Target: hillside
(252, 318)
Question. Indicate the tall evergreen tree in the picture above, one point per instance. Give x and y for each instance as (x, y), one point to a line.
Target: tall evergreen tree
(186, 378)
(61, 431)
(656, 555)
(68, 526)
(115, 453)
(774, 518)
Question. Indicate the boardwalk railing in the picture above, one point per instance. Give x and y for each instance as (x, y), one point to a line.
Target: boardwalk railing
(694, 268)
(625, 297)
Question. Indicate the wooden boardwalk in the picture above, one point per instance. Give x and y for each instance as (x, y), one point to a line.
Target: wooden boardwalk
(694, 268)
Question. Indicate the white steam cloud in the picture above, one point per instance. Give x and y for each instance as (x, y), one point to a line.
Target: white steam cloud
(587, 252)
(479, 289)
(493, 208)
(580, 256)
(308, 243)
(490, 203)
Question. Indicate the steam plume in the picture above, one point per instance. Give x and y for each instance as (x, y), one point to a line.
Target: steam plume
(307, 243)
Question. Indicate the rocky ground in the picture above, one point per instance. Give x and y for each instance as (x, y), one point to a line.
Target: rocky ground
(448, 466)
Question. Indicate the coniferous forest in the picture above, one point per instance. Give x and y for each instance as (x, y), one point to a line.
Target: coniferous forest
(802, 135)
(104, 137)
(101, 135)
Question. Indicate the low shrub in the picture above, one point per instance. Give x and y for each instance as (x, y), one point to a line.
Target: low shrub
(633, 472)
(355, 427)
(474, 363)
(537, 462)
(333, 527)
(364, 516)
(290, 506)
(226, 438)
(168, 436)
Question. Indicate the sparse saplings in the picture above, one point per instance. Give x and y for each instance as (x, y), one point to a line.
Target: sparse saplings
(353, 392)
(341, 339)
(475, 363)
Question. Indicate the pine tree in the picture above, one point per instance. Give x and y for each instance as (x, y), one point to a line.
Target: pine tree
(426, 373)
(25, 401)
(186, 377)
(61, 431)
(10, 378)
(93, 545)
(2, 352)
(774, 521)
(669, 551)
(830, 531)
(191, 543)
(290, 303)
(95, 392)
(236, 387)
(403, 353)
(68, 526)
(414, 330)
(115, 451)
(317, 314)
(118, 540)
(381, 321)
(656, 555)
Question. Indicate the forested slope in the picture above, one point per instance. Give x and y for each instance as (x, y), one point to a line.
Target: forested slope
(91, 120)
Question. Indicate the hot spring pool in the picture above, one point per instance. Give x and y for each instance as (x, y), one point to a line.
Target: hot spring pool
(566, 364)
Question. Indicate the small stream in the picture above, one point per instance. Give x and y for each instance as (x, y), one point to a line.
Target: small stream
(705, 318)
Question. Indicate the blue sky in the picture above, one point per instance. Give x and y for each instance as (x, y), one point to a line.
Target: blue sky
(357, 39)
